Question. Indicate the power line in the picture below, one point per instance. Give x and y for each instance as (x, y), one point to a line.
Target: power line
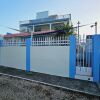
(11, 28)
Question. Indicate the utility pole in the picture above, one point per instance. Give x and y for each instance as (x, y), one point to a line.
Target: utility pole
(95, 27)
(70, 16)
(78, 29)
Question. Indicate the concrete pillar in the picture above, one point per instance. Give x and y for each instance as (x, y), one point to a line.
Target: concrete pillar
(33, 28)
(28, 44)
(96, 58)
(72, 57)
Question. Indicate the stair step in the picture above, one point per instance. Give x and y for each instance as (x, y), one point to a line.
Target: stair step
(83, 77)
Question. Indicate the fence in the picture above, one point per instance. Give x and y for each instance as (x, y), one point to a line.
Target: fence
(13, 43)
(13, 56)
(84, 52)
(55, 55)
(40, 41)
(50, 41)
(43, 54)
(84, 58)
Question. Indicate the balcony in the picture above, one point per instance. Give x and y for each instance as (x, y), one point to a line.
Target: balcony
(46, 20)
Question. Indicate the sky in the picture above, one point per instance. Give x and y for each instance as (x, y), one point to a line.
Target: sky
(85, 11)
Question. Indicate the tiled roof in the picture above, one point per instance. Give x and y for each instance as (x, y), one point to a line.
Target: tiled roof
(27, 34)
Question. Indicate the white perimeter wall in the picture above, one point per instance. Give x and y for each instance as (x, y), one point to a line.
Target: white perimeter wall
(52, 60)
(13, 56)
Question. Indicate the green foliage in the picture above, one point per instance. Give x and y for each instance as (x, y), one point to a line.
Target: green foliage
(66, 29)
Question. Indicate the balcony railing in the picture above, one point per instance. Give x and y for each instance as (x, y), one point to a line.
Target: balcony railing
(44, 20)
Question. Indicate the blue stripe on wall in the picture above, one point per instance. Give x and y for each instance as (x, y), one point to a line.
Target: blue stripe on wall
(72, 67)
(28, 44)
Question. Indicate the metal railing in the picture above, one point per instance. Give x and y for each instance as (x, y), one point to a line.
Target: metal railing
(84, 52)
(43, 20)
(39, 41)
(13, 43)
(50, 41)
(64, 16)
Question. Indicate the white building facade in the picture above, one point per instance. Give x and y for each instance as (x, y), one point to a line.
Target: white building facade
(44, 22)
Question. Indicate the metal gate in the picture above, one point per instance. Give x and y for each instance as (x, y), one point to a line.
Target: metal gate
(84, 58)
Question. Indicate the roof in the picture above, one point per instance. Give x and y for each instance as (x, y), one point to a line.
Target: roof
(27, 34)
(16, 35)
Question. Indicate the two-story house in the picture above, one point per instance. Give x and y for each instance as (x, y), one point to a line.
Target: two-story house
(43, 26)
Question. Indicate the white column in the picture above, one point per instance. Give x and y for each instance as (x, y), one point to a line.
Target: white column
(50, 26)
(33, 28)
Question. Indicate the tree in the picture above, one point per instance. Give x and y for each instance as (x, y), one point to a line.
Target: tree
(65, 29)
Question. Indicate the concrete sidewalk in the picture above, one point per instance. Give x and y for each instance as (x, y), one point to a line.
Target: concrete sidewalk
(86, 87)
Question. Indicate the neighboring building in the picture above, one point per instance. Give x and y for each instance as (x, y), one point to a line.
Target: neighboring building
(42, 26)
(47, 38)
(44, 22)
(1, 37)
(22, 36)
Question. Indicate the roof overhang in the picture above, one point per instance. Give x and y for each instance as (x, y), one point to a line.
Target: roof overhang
(28, 34)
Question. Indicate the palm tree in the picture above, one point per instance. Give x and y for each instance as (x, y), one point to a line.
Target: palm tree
(65, 29)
